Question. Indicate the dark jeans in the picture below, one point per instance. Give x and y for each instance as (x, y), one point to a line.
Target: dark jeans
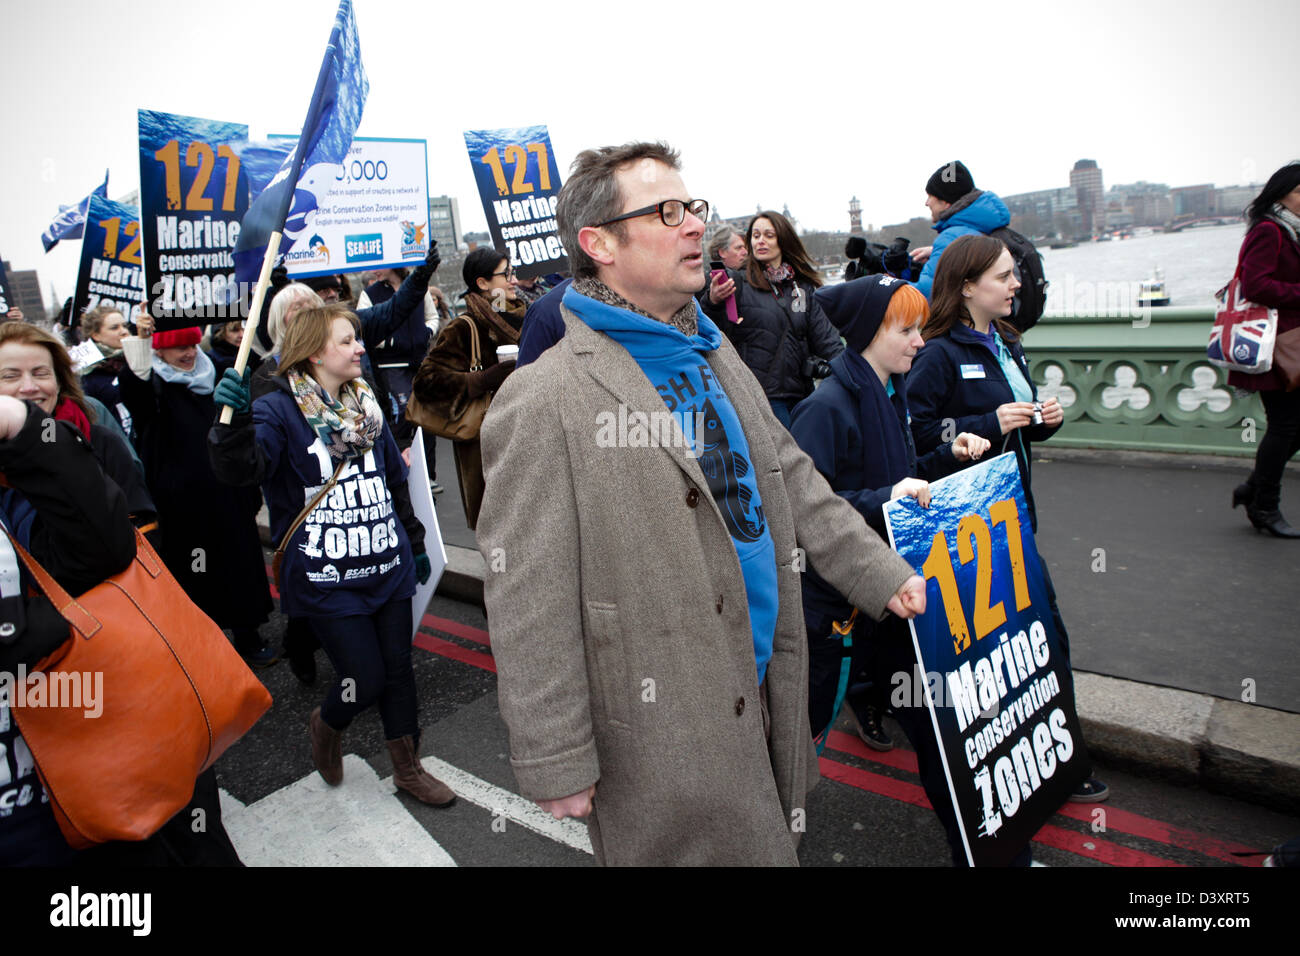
(372, 656)
(1279, 445)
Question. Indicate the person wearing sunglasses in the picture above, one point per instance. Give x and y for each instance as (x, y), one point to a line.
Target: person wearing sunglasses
(781, 332)
(640, 522)
(494, 314)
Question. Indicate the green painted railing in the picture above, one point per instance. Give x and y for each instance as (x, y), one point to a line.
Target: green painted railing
(1141, 383)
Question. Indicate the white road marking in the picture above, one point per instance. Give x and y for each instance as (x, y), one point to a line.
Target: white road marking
(361, 822)
(511, 806)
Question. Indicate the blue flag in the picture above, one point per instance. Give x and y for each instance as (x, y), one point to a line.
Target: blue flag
(288, 204)
(71, 220)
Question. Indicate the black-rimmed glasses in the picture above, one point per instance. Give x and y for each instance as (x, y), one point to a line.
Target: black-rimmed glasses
(508, 272)
(672, 212)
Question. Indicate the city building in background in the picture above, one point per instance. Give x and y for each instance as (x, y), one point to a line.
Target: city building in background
(1086, 179)
(855, 217)
(25, 288)
(444, 224)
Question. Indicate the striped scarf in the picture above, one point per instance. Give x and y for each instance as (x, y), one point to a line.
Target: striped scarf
(348, 425)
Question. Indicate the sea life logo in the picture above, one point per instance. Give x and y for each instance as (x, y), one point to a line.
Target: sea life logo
(413, 241)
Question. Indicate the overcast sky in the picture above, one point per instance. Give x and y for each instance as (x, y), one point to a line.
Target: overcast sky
(805, 104)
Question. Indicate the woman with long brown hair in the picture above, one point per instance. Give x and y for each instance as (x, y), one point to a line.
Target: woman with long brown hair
(780, 332)
(972, 376)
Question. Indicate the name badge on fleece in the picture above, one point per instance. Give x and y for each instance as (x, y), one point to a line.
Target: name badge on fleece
(972, 371)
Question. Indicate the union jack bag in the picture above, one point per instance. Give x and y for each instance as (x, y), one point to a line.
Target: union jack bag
(1243, 334)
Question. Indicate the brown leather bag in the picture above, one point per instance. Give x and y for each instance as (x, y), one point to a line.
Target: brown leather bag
(1286, 358)
(173, 696)
(462, 417)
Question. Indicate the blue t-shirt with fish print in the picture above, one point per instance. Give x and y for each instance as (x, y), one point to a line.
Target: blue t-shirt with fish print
(676, 365)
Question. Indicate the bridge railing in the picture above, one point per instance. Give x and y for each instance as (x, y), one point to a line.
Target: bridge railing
(1141, 383)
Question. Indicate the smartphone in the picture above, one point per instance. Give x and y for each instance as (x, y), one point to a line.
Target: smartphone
(718, 264)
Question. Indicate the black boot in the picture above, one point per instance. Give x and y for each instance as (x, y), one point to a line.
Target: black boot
(1265, 514)
(1244, 493)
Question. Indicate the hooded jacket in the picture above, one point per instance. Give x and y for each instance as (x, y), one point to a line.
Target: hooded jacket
(978, 216)
(857, 432)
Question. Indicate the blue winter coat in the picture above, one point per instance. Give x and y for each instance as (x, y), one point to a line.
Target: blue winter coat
(543, 325)
(829, 426)
(981, 217)
(957, 376)
(355, 552)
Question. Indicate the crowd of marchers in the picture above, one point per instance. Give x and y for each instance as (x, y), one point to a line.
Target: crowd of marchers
(807, 407)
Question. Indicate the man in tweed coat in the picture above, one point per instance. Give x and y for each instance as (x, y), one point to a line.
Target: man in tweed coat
(645, 524)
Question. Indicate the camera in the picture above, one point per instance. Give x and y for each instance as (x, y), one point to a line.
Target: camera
(1038, 413)
(814, 368)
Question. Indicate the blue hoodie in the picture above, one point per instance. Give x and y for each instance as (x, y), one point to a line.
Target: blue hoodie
(677, 367)
(981, 217)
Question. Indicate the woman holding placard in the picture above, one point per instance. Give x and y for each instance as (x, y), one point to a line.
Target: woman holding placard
(353, 554)
(972, 376)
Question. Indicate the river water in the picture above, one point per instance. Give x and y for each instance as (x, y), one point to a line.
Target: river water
(1196, 263)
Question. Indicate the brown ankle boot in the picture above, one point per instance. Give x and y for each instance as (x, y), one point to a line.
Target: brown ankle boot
(326, 749)
(410, 776)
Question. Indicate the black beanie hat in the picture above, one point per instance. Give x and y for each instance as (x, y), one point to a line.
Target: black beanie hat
(950, 182)
(858, 307)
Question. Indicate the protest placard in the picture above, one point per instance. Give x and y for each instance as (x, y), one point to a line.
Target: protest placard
(372, 214)
(111, 271)
(422, 504)
(192, 198)
(519, 183)
(991, 668)
(6, 297)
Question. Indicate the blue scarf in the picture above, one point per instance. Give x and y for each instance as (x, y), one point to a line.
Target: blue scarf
(677, 367)
(884, 453)
(201, 379)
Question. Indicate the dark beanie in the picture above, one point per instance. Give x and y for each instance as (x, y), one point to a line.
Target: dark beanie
(950, 182)
(858, 307)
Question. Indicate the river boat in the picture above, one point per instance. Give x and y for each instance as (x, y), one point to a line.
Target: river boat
(1153, 291)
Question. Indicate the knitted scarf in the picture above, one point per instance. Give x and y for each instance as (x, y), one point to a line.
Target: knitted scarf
(348, 425)
(68, 411)
(782, 273)
(684, 319)
(200, 379)
(506, 323)
(1288, 220)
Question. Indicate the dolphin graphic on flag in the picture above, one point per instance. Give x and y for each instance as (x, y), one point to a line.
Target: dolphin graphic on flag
(290, 199)
(71, 220)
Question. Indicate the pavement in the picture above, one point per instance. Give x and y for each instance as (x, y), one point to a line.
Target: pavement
(1182, 618)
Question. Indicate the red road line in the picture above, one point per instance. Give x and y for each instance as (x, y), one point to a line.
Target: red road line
(457, 629)
(1138, 825)
(898, 758)
(1103, 850)
(457, 653)
(1124, 821)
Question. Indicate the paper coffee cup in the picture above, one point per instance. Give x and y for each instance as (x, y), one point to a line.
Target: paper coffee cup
(507, 352)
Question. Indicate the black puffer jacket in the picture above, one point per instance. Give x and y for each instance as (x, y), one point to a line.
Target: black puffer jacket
(775, 337)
